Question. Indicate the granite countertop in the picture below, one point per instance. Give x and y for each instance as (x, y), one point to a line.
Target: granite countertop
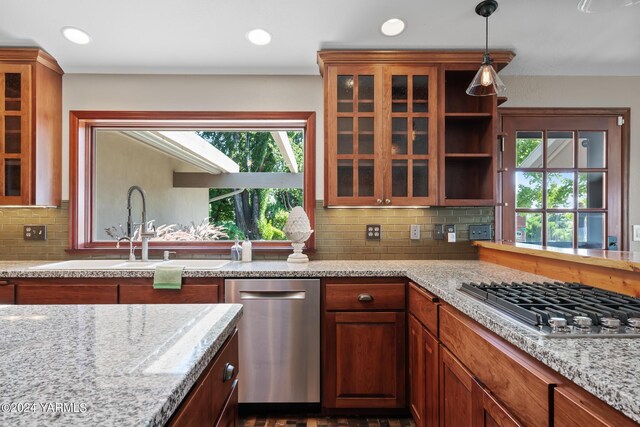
(606, 367)
(118, 365)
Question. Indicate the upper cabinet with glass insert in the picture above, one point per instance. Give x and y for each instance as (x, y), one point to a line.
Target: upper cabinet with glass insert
(30, 128)
(401, 131)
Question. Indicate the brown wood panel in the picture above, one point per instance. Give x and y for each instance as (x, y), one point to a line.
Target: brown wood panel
(188, 294)
(505, 370)
(196, 409)
(424, 307)
(7, 292)
(229, 416)
(488, 412)
(432, 379)
(574, 407)
(417, 381)
(222, 388)
(65, 293)
(364, 360)
(624, 282)
(456, 392)
(386, 296)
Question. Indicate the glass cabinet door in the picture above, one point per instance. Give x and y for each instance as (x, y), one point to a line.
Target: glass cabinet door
(353, 138)
(14, 124)
(411, 138)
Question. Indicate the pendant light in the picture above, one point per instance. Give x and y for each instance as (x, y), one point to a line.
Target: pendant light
(486, 81)
(603, 6)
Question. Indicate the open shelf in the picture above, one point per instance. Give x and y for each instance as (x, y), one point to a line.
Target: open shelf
(469, 155)
(465, 134)
(469, 179)
(456, 99)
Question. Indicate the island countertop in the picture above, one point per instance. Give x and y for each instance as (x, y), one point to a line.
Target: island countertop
(606, 367)
(80, 365)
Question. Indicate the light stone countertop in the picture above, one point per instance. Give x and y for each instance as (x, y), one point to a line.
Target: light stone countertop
(606, 367)
(98, 365)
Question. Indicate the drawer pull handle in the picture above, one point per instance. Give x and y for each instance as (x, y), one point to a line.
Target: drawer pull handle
(365, 298)
(228, 372)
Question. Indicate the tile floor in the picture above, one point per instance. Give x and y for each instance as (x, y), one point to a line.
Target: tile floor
(284, 421)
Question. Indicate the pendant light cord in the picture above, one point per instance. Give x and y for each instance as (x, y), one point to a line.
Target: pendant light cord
(486, 35)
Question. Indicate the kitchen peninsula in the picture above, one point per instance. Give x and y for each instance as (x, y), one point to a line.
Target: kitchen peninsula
(80, 365)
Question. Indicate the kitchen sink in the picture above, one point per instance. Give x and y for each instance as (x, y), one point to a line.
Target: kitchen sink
(198, 264)
(83, 264)
(118, 264)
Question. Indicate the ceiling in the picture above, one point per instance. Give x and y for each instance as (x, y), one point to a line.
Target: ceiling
(550, 37)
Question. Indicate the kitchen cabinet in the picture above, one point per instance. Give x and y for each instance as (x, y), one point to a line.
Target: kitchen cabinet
(488, 412)
(213, 399)
(193, 291)
(400, 129)
(66, 291)
(456, 392)
(7, 292)
(364, 328)
(30, 128)
(574, 407)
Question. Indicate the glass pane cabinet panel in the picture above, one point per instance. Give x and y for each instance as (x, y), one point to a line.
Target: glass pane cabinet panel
(399, 178)
(592, 149)
(560, 149)
(560, 230)
(529, 227)
(529, 190)
(345, 178)
(12, 88)
(420, 135)
(365, 94)
(12, 177)
(591, 230)
(366, 177)
(560, 190)
(591, 190)
(399, 135)
(528, 149)
(365, 135)
(12, 134)
(345, 135)
(420, 178)
(420, 94)
(399, 93)
(345, 94)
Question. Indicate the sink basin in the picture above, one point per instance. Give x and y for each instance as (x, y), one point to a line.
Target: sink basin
(137, 265)
(81, 264)
(198, 264)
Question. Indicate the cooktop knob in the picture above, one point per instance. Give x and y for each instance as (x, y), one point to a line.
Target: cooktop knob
(610, 322)
(557, 323)
(582, 322)
(634, 322)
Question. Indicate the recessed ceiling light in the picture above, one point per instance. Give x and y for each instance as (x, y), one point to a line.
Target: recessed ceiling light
(259, 37)
(76, 35)
(393, 27)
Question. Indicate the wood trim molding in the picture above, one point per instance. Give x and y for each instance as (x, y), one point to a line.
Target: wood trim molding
(30, 54)
(81, 125)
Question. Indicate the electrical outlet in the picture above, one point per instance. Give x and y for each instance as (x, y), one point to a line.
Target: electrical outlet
(374, 232)
(636, 233)
(35, 232)
(480, 232)
(438, 232)
(415, 231)
(450, 229)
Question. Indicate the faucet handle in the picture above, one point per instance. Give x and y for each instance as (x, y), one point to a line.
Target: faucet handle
(165, 256)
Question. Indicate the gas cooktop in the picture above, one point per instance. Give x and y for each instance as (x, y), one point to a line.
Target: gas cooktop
(563, 310)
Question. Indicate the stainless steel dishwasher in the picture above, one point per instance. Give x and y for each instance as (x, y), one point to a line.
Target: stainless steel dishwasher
(279, 339)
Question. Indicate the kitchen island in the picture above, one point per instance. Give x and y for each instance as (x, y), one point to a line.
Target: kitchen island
(120, 365)
(605, 367)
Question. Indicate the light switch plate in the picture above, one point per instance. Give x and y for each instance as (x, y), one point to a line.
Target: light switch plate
(636, 233)
(415, 231)
(480, 232)
(450, 229)
(35, 232)
(438, 232)
(374, 232)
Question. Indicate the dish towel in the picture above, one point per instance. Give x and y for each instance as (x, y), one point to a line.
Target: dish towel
(167, 277)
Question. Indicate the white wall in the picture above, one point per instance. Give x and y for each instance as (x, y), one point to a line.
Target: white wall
(305, 93)
(570, 91)
(122, 162)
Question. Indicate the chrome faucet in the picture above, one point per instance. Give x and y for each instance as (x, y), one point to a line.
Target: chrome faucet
(145, 234)
(132, 257)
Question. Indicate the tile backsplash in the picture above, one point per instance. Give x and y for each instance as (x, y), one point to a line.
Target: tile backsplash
(340, 233)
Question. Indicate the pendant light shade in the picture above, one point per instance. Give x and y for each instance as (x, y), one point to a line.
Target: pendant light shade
(486, 81)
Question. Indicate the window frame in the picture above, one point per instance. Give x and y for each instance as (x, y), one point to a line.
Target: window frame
(622, 188)
(81, 170)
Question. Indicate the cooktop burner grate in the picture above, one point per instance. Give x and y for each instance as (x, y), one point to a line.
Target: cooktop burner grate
(563, 309)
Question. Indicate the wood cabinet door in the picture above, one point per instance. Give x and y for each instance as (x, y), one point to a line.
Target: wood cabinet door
(7, 292)
(488, 412)
(409, 146)
(456, 392)
(574, 407)
(67, 291)
(431, 357)
(188, 294)
(417, 368)
(364, 360)
(353, 123)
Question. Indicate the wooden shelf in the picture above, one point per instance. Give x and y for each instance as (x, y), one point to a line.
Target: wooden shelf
(468, 155)
(469, 115)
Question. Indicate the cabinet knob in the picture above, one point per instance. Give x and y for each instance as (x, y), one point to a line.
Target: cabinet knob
(387, 201)
(365, 298)
(228, 372)
(379, 202)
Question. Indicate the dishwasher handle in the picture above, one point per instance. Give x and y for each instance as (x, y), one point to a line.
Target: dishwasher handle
(272, 295)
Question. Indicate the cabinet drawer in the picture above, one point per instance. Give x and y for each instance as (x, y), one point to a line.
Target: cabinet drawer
(229, 416)
(188, 294)
(507, 371)
(54, 293)
(577, 408)
(424, 307)
(7, 292)
(226, 363)
(364, 296)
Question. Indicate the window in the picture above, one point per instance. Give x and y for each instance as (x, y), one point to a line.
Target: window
(209, 178)
(563, 178)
